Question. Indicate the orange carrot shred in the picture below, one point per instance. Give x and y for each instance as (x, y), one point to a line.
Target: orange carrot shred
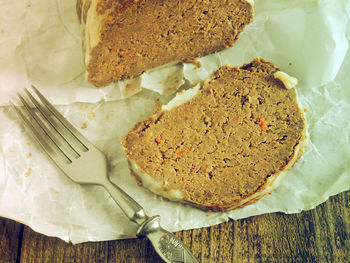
(237, 118)
(159, 141)
(192, 28)
(262, 124)
(180, 152)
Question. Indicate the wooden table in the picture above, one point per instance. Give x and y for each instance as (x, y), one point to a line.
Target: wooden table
(319, 235)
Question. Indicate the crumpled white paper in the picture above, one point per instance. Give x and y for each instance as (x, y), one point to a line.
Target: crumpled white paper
(308, 39)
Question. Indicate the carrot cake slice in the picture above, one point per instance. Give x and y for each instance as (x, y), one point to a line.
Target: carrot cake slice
(123, 38)
(223, 145)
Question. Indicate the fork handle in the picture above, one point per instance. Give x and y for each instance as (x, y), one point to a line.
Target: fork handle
(168, 246)
(130, 207)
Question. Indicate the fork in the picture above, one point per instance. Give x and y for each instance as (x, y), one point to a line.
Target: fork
(80, 160)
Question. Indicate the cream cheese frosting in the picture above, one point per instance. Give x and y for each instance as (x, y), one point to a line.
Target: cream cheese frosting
(288, 81)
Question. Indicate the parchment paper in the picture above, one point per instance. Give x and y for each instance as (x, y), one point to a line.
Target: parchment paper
(40, 44)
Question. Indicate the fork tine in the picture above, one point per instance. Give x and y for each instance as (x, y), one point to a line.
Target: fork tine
(66, 123)
(43, 127)
(48, 145)
(65, 136)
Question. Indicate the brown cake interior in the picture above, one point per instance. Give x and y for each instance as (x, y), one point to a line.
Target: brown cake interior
(140, 35)
(222, 145)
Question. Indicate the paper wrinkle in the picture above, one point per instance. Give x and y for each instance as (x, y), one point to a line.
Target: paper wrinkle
(43, 48)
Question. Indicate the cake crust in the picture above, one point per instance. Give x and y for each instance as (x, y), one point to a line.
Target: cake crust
(227, 145)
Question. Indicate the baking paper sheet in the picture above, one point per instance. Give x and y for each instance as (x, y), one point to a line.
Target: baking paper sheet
(40, 45)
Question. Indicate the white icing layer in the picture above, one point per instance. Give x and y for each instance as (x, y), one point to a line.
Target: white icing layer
(91, 28)
(250, 2)
(154, 186)
(288, 81)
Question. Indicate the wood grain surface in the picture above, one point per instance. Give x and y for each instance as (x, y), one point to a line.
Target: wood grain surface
(318, 235)
(10, 240)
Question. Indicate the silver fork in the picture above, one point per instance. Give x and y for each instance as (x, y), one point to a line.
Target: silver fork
(85, 164)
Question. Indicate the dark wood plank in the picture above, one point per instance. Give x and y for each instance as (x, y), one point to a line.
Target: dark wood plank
(319, 235)
(332, 231)
(39, 248)
(10, 240)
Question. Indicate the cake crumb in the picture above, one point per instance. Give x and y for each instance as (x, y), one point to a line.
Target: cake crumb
(158, 103)
(131, 89)
(91, 115)
(29, 155)
(108, 116)
(173, 88)
(83, 106)
(84, 125)
(28, 172)
(193, 61)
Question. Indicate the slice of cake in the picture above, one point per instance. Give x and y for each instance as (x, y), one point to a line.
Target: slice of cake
(123, 38)
(224, 145)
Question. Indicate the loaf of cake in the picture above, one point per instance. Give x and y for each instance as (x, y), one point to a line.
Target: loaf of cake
(223, 145)
(123, 38)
